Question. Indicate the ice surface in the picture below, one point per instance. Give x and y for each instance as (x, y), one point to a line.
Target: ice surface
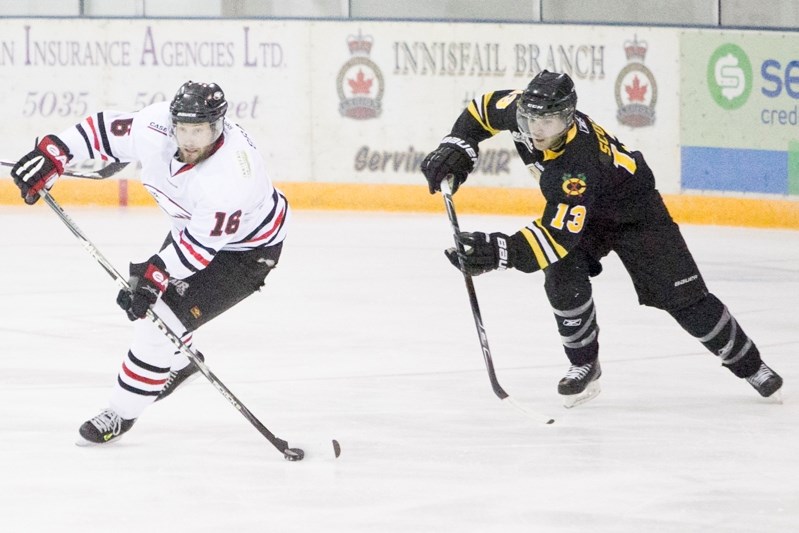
(364, 334)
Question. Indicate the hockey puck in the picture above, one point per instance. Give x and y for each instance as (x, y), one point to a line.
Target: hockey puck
(551, 421)
(336, 448)
(294, 454)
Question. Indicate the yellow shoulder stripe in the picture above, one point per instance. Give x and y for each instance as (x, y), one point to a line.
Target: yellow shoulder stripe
(481, 115)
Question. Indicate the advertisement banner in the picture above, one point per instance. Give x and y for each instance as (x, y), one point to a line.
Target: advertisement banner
(341, 101)
(399, 87)
(740, 111)
(55, 71)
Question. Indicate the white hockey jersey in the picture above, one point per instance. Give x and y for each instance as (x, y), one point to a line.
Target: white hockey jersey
(225, 202)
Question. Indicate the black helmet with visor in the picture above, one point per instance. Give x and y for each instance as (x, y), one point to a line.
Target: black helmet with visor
(546, 107)
(195, 103)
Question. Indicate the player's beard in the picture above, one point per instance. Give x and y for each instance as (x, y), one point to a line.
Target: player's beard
(193, 156)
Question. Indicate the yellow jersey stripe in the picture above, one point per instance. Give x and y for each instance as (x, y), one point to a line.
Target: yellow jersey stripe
(549, 155)
(560, 250)
(486, 100)
(540, 257)
(479, 114)
(543, 243)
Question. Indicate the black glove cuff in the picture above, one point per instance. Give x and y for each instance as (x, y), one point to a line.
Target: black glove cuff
(464, 145)
(138, 269)
(504, 256)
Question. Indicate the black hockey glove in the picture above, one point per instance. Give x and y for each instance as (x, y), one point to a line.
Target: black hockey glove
(147, 282)
(454, 156)
(482, 253)
(39, 168)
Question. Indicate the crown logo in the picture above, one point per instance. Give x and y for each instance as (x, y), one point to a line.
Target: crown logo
(360, 44)
(635, 49)
(636, 88)
(360, 82)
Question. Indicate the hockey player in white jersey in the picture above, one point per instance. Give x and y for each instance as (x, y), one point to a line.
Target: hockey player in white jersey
(228, 226)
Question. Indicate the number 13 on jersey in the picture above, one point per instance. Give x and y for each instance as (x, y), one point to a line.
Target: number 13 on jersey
(570, 216)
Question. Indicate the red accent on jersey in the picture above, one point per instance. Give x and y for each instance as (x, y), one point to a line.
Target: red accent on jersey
(90, 121)
(189, 248)
(217, 145)
(184, 168)
(274, 228)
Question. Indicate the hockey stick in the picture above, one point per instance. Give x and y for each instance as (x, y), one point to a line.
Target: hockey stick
(446, 192)
(106, 172)
(292, 454)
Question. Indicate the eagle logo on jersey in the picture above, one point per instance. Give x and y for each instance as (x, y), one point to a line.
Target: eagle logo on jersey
(574, 186)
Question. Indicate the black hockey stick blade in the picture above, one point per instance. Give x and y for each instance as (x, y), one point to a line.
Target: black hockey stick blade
(109, 170)
(293, 454)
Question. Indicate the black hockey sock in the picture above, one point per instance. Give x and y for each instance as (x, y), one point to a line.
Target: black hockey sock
(579, 332)
(710, 321)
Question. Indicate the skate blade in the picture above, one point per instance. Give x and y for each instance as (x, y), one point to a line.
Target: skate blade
(775, 398)
(590, 392)
(83, 443)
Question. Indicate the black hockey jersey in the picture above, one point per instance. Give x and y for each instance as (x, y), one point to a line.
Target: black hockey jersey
(591, 176)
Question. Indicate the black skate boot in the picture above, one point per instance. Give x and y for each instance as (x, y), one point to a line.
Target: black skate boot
(178, 378)
(580, 384)
(103, 428)
(765, 381)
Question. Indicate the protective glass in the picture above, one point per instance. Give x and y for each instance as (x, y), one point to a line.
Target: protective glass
(191, 135)
(543, 126)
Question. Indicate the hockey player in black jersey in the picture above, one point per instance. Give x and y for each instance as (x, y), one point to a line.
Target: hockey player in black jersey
(600, 197)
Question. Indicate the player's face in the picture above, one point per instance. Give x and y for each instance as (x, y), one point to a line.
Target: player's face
(543, 130)
(194, 141)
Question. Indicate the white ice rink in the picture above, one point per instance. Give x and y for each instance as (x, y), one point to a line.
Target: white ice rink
(364, 334)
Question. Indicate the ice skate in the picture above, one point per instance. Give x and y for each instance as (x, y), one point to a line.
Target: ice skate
(106, 427)
(178, 378)
(580, 384)
(766, 382)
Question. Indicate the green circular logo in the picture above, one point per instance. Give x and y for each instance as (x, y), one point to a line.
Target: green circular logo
(729, 76)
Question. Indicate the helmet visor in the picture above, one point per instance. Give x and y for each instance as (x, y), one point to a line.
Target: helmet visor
(196, 134)
(544, 125)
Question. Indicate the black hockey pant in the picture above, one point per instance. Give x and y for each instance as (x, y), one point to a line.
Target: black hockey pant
(227, 280)
(664, 275)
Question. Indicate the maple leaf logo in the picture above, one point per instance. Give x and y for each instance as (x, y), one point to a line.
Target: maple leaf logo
(360, 85)
(636, 92)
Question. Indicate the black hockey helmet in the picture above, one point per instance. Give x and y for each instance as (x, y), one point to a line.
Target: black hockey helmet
(198, 102)
(546, 107)
(548, 93)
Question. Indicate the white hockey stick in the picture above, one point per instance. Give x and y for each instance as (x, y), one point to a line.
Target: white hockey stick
(106, 172)
(446, 192)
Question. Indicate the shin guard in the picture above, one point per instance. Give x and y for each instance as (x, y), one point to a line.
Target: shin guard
(579, 332)
(711, 323)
